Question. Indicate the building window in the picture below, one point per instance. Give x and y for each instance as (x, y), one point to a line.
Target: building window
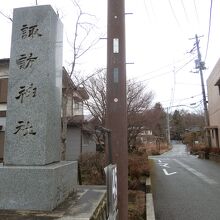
(78, 108)
(85, 140)
(3, 90)
(2, 138)
(2, 113)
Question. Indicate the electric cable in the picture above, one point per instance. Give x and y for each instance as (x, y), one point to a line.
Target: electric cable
(164, 73)
(173, 12)
(165, 66)
(196, 11)
(184, 8)
(209, 29)
(146, 9)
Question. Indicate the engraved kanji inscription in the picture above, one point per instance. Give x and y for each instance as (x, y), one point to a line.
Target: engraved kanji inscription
(30, 31)
(25, 61)
(24, 128)
(26, 91)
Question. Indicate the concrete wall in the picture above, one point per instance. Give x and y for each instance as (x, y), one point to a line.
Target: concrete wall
(4, 71)
(214, 100)
(88, 143)
(73, 144)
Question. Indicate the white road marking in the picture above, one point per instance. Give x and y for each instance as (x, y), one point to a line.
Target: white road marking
(164, 165)
(195, 172)
(159, 161)
(168, 174)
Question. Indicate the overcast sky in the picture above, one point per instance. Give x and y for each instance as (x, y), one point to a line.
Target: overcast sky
(157, 38)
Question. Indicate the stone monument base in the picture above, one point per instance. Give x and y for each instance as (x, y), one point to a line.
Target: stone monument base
(36, 187)
(88, 202)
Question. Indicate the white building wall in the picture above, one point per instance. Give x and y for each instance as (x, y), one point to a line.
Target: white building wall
(214, 99)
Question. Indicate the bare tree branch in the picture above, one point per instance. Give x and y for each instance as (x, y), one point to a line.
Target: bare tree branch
(81, 42)
(6, 16)
(138, 101)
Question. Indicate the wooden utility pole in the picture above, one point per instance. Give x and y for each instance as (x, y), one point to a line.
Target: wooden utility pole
(201, 66)
(116, 119)
(168, 127)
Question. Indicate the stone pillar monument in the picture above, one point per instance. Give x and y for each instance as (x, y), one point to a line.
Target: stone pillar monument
(32, 177)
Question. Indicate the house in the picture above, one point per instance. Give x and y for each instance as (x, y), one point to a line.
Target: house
(78, 136)
(145, 135)
(80, 132)
(213, 88)
(4, 70)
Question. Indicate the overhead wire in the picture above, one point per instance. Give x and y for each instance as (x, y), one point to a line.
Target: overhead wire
(180, 68)
(184, 8)
(196, 11)
(152, 8)
(146, 9)
(164, 67)
(184, 99)
(189, 84)
(173, 12)
(209, 29)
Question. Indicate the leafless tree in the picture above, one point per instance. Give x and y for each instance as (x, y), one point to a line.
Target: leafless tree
(6, 16)
(155, 119)
(138, 101)
(96, 89)
(80, 42)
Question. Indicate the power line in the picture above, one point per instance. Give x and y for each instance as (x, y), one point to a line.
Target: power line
(196, 11)
(153, 77)
(209, 30)
(164, 67)
(152, 8)
(180, 68)
(189, 84)
(146, 9)
(186, 15)
(183, 99)
(173, 12)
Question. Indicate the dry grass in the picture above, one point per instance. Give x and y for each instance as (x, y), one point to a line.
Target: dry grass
(92, 168)
(136, 205)
(92, 173)
(152, 148)
(137, 169)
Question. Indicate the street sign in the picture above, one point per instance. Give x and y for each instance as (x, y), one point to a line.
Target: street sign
(112, 191)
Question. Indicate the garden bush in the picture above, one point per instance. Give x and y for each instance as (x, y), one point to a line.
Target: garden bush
(91, 167)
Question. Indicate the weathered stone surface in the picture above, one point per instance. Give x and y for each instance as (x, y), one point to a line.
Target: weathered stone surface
(34, 96)
(36, 187)
(32, 178)
(88, 203)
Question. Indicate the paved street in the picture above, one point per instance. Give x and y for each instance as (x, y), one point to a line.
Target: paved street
(185, 187)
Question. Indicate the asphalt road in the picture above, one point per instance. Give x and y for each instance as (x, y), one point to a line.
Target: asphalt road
(185, 187)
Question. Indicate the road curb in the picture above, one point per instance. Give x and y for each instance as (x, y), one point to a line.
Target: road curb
(150, 214)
